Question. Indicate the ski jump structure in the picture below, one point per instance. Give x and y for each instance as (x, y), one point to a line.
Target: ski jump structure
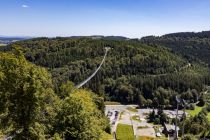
(91, 76)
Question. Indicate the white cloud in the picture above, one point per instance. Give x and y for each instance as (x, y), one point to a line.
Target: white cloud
(25, 6)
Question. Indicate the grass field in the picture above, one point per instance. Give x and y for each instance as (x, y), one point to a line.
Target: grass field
(142, 127)
(124, 132)
(195, 111)
(132, 109)
(145, 138)
(112, 103)
(136, 118)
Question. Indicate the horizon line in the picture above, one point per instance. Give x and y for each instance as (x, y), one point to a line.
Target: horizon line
(48, 36)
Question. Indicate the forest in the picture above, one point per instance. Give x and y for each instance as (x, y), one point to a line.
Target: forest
(31, 110)
(190, 45)
(134, 71)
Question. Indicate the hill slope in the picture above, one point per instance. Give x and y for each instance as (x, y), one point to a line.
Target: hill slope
(131, 69)
(193, 46)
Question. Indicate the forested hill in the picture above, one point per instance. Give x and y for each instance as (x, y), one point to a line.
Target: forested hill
(193, 46)
(204, 34)
(132, 71)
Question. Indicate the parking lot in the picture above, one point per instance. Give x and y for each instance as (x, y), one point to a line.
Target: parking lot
(121, 114)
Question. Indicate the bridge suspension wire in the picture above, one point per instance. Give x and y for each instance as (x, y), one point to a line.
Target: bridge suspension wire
(91, 76)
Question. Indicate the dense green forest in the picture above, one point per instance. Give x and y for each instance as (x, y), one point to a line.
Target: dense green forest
(31, 110)
(192, 46)
(133, 71)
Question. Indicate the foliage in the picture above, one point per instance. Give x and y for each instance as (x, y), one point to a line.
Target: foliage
(189, 137)
(142, 127)
(195, 111)
(208, 107)
(111, 103)
(132, 72)
(79, 118)
(158, 118)
(192, 46)
(164, 97)
(150, 138)
(27, 100)
(197, 124)
(145, 138)
(132, 109)
(201, 101)
(151, 116)
(66, 89)
(106, 136)
(29, 108)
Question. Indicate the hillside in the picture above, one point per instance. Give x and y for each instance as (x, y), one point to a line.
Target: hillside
(131, 70)
(192, 46)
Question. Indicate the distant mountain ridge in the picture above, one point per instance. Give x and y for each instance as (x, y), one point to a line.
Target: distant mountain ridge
(194, 46)
(11, 39)
(98, 37)
(203, 34)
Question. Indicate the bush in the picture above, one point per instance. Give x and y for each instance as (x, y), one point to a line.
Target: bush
(196, 128)
(191, 107)
(157, 121)
(108, 129)
(208, 108)
(189, 137)
(201, 102)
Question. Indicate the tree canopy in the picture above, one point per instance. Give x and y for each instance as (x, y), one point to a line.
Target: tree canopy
(27, 99)
(79, 117)
(30, 109)
(131, 70)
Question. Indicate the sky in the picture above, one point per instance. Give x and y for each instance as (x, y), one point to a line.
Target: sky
(130, 18)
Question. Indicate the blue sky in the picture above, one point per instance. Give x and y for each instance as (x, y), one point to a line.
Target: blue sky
(131, 18)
